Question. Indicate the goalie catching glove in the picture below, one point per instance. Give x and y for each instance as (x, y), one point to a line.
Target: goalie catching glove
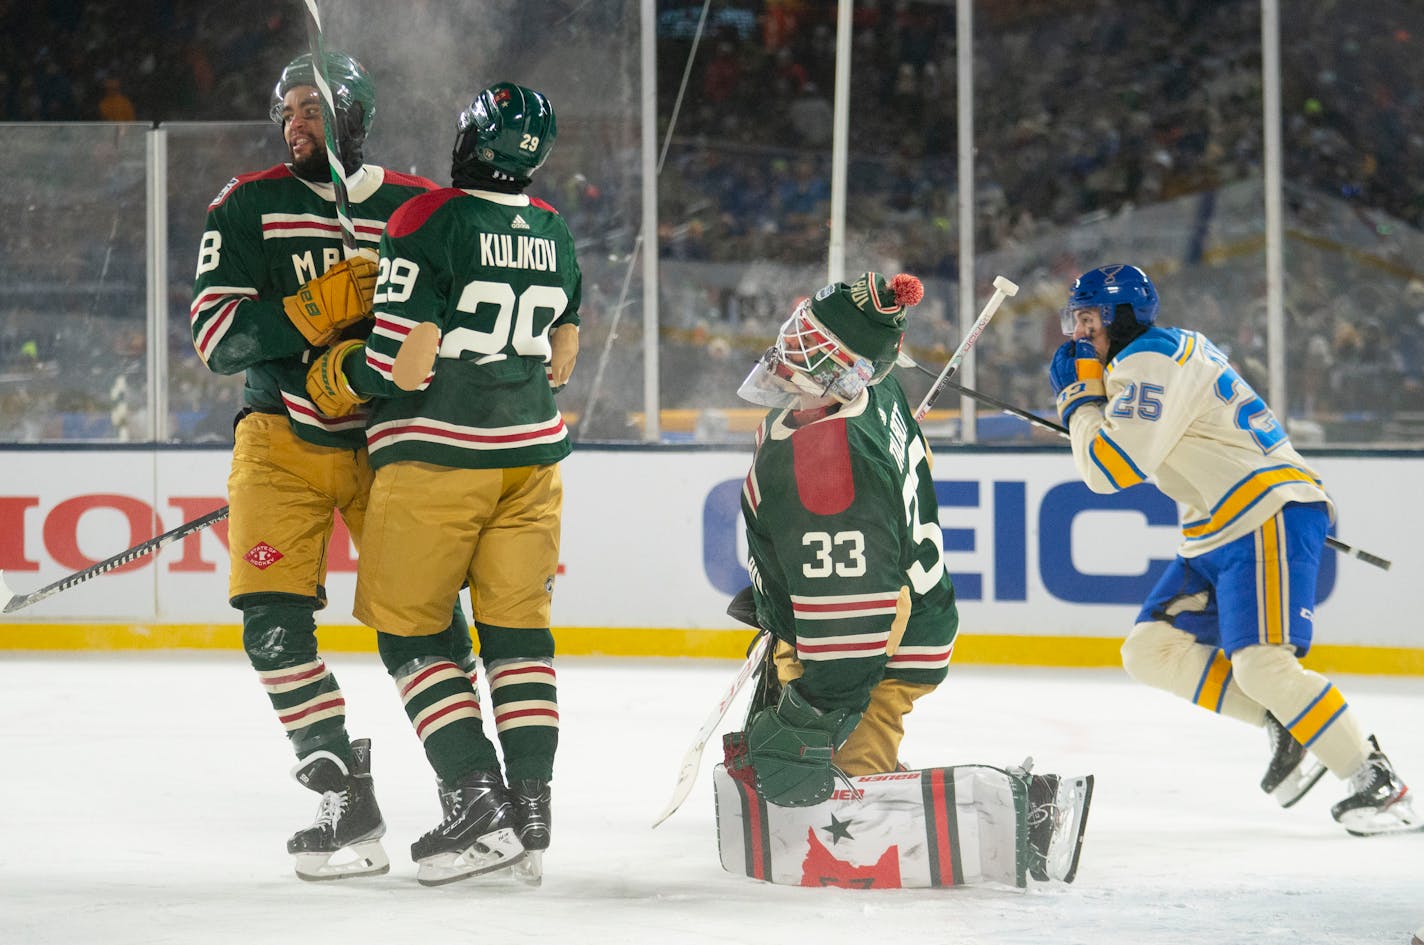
(1077, 377)
(339, 297)
(327, 385)
(790, 746)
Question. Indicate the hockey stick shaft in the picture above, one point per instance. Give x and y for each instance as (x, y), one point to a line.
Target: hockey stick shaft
(333, 149)
(1348, 550)
(692, 760)
(14, 602)
(1003, 288)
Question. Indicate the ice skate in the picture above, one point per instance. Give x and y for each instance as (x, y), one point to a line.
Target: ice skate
(1292, 771)
(345, 840)
(1057, 819)
(479, 833)
(1379, 801)
(531, 799)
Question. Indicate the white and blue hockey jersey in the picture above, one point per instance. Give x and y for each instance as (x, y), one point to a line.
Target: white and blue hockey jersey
(1179, 414)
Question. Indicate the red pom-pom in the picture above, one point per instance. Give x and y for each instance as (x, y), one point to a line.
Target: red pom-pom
(908, 290)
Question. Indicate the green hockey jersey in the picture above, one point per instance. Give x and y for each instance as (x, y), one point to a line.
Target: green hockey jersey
(266, 234)
(840, 514)
(494, 272)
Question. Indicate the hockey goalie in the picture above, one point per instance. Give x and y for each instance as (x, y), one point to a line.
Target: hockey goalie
(848, 577)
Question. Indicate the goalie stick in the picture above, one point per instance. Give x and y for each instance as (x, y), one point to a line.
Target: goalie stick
(1349, 551)
(13, 602)
(692, 760)
(1003, 288)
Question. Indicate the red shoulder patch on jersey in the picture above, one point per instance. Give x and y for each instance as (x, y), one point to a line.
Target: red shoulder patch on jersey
(543, 205)
(411, 215)
(272, 173)
(410, 180)
(821, 457)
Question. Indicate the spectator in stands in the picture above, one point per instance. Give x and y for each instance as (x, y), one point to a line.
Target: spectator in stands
(115, 105)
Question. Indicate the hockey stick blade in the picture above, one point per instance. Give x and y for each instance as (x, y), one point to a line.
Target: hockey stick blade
(14, 602)
(1003, 288)
(692, 760)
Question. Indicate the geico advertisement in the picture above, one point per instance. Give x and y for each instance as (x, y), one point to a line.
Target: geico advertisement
(653, 538)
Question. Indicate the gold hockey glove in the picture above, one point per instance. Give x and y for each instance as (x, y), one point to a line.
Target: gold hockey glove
(339, 297)
(326, 380)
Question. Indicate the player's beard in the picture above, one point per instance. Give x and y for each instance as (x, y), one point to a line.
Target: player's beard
(314, 167)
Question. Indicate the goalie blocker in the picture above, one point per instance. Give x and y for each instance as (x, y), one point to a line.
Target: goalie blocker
(906, 829)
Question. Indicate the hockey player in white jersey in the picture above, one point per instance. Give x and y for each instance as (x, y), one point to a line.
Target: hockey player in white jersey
(1226, 624)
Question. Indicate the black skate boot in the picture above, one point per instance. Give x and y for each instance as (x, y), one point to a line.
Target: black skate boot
(1292, 771)
(1379, 801)
(347, 820)
(1057, 820)
(531, 798)
(478, 835)
(1042, 796)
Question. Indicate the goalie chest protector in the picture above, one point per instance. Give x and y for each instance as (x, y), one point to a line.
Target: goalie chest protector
(901, 829)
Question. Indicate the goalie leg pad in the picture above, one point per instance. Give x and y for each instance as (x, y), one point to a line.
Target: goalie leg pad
(900, 829)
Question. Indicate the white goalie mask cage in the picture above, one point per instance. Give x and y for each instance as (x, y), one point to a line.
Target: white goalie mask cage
(807, 363)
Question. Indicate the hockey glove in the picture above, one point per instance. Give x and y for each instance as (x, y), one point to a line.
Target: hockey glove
(790, 747)
(564, 341)
(339, 297)
(1077, 377)
(326, 380)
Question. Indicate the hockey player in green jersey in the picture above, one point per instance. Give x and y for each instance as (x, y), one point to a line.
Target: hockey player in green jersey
(479, 289)
(271, 290)
(844, 542)
(847, 569)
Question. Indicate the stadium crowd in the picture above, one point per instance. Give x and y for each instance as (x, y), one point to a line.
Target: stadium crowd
(1175, 114)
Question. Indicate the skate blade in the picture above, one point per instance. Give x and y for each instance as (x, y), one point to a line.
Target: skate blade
(359, 859)
(1398, 817)
(1066, 846)
(1299, 782)
(496, 850)
(530, 870)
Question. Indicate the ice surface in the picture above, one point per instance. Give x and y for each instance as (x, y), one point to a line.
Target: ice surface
(146, 800)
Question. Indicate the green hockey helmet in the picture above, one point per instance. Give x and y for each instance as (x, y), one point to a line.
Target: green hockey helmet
(352, 91)
(508, 127)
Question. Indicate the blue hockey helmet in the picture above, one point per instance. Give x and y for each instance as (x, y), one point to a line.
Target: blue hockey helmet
(1105, 289)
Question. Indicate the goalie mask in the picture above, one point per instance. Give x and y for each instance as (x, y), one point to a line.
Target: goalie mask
(835, 344)
(353, 94)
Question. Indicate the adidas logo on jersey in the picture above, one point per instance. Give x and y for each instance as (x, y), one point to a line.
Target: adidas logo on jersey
(518, 223)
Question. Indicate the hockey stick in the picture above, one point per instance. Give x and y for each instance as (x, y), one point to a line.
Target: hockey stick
(1003, 288)
(13, 602)
(692, 760)
(333, 151)
(1348, 551)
